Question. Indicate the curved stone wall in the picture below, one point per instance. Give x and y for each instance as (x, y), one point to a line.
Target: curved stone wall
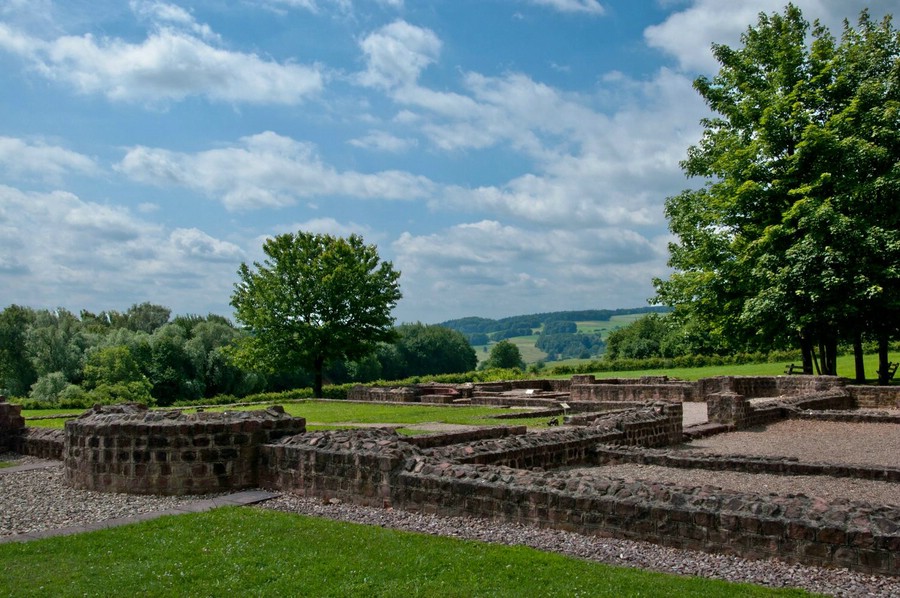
(127, 448)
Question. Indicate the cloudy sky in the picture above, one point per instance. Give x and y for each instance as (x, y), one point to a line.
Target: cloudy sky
(509, 156)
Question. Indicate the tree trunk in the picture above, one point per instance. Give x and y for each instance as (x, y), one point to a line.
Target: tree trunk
(318, 366)
(807, 354)
(858, 359)
(883, 361)
(829, 355)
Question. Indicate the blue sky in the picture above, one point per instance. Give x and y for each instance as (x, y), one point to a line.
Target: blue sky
(509, 156)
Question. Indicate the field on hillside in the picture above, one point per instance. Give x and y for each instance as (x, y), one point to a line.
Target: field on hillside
(531, 354)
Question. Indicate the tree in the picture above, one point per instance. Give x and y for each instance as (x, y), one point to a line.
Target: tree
(17, 373)
(314, 299)
(505, 355)
(55, 342)
(147, 317)
(800, 162)
(112, 375)
(434, 350)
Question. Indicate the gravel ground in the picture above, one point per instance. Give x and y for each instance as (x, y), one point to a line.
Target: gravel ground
(824, 442)
(38, 500)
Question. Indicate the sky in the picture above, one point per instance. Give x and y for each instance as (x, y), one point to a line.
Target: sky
(507, 156)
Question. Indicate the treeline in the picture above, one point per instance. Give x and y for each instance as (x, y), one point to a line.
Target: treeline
(58, 358)
(559, 337)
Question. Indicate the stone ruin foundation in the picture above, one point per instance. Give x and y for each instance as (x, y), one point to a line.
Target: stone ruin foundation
(509, 474)
(128, 448)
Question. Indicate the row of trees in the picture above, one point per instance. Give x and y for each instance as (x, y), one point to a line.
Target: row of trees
(795, 237)
(143, 355)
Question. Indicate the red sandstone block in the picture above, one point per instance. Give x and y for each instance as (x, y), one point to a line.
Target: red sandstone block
(831, 536)
(875, 561)
(815, 550)
(772, 528)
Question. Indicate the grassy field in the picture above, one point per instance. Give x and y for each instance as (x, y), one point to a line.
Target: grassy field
(346, 414)
(244, 551)
(531, 354)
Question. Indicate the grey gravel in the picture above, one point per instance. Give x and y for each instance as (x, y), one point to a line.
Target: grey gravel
(38, 500)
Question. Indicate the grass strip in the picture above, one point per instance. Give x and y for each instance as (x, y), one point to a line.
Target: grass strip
(241, 551)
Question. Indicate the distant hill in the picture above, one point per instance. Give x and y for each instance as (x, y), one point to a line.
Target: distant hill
(475, 324)
(551, 336)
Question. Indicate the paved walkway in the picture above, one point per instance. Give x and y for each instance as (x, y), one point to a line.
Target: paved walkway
(236, 499)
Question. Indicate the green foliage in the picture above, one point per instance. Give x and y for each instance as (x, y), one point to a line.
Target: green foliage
(795, 237)
(650, 336)
(55, 342)
(569, 345)
(504, 355)
(112, 375)
(17, 372)
(315, 299)
(434, 350)
(48, 387)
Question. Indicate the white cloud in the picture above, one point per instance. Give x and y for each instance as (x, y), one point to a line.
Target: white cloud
(330, 226)
(573, 6)
(57, 245)
(384, 142)
(26, 159)
(169, 65)
(488, 268)
(266, 169)
(163, 14)
(689, 34)
(397, 53)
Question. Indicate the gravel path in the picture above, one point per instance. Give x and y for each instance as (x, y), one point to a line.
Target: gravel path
(828, 442)
(38, 500)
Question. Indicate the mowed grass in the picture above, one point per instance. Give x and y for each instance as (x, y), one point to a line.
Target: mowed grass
(846, 369)
(254, 552)
(348, 413)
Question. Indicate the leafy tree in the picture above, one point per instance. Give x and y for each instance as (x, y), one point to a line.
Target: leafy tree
(55, 342)
(559, 327)
(147, 317)
(112, 375)
(314, 299)
(504, 355)
(800, 160)
(434, 350)
(650, 336)
(17, 373)
(49, 386)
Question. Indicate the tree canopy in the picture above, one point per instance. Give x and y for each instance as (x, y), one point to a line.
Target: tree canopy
(504, 355)
(314, 299)
(794, 237)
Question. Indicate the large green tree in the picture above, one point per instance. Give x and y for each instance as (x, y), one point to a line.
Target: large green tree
(315, 298)
(793, 238)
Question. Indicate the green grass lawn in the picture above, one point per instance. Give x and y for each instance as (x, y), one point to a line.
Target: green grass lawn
(242, 551)
(337, 412)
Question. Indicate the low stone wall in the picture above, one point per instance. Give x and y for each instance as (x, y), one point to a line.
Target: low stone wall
(758, 387)
(126, 448)
(736, 410)
(447, 438)
(875, 397)
(858, 536)
(11, 424)
(43, 443)
(607, 391)
(357, 466)
(612, 455)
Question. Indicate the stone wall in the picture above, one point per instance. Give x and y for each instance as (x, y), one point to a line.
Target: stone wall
(757, 387)
(43, 443)
(448, 438)
(126, 448)
(736, 410)
(357, 466)
(792, 528)
(875, 397)
(610, 391)
(12, 424)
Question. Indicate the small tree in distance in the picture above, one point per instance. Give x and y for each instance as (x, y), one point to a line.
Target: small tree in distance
(314, 299)
(504, 355)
